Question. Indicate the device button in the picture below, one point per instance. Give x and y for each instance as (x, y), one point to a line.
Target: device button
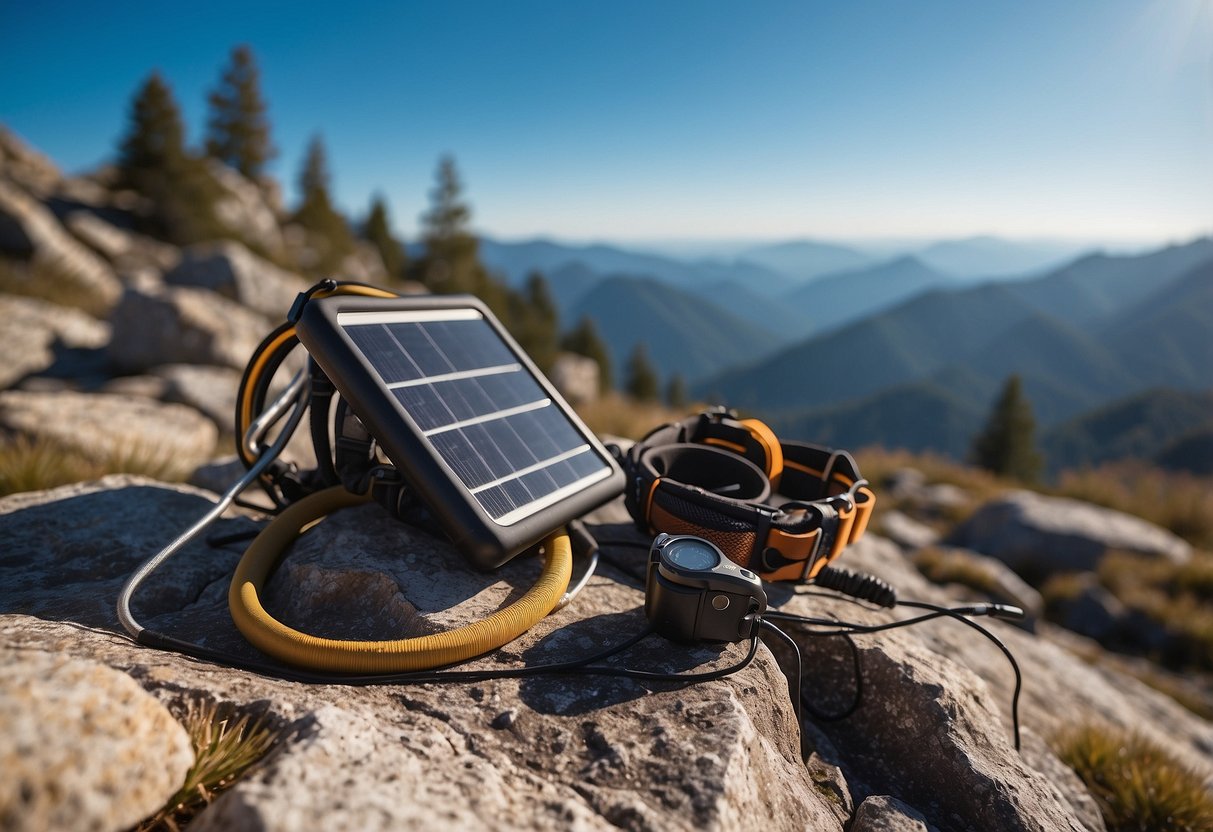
(720, 602)
(745, 573)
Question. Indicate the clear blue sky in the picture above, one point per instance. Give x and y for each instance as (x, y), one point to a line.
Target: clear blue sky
(643, 120)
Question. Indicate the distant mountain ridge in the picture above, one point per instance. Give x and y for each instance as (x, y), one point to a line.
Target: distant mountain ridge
(1096, 330)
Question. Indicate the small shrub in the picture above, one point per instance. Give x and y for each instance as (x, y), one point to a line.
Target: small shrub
(37, 464)
(1137, 785)
(224, 748)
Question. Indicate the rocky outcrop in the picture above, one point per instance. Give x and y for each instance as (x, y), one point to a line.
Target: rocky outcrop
(1033, 533)
(85, 747)
(209, 390)
(181, 325)
(576, 377)
(233, 271)
(112, 430)
(29, 169)
(129, 252)
(53, 263)
(244, 209)
(544, 752)
(34, 329)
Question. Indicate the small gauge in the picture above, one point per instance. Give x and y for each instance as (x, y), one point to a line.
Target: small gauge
(692, 554)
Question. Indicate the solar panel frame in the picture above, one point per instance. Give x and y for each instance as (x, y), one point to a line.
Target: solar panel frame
(324, 329)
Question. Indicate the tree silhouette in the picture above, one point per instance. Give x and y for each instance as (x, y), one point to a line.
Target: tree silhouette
(330, 234)
(1007, 444)
(584, 339)
(676, 391)
(535, 322)
(153, 160)
(451, 262)
(238, 130)
(378, 231)
(642, 382)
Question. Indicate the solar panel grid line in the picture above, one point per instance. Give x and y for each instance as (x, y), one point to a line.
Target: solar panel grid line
(482, 411)
(536, 467)
(457, 376)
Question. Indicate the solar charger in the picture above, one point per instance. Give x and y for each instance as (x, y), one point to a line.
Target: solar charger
(478, 434)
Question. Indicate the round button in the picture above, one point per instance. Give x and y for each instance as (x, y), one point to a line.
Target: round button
(721, 602)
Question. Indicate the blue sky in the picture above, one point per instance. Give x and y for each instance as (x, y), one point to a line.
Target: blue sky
(1089, 119)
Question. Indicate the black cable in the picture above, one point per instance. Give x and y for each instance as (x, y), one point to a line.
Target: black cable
(793, 678)
(997, 642)
(845, 628)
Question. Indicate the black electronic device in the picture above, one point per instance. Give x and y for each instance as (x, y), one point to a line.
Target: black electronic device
(475, 430)
(694, 593)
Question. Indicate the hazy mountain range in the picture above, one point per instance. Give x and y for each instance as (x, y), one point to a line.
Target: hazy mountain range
(834, 345)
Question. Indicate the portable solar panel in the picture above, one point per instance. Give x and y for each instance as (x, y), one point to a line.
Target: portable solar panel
(474, 428)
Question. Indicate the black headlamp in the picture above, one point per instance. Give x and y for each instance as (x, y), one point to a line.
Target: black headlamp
(695, 593)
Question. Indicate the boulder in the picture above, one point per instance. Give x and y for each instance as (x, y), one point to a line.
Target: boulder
(54, 264)
(1089, 609)
(1032, 533)
(233, 271)
(904, 530)
(26, 167)
(576, 377)
(129, 252)
(552, 752)
(245, 209)
(33, 331)
(882, 813)
(181, 325)
(85, 747)
(210, 390)
(364, 264)
(109, 430)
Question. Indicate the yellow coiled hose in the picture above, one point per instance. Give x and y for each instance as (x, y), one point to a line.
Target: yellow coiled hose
(422, 653)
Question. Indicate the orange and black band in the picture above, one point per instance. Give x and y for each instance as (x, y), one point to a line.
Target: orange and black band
(782, 509)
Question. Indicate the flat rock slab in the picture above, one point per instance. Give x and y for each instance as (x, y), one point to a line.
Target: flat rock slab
(233, 271)
(85, 746)
(112, 430)
(545, 753)
(1029, 531)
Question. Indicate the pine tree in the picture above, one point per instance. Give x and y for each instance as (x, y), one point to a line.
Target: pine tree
(535, 322)
(330, 233)
(377, 229)
(238, 131)
(1007, 445)
(642, 383)
(676, 392)
(583, 339)
(153, 160)
(451, 263)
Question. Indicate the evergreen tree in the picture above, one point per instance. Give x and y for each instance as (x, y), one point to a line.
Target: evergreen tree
(583, 339)
(451, 263)
(535, 322)
(153, 160)
(676, 392)
(377, 229)
(642, 383)
(238, 131)
(330, 233)
(1007, 445)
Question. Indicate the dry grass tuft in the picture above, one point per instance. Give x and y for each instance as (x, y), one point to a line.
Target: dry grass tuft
(1137, 785)
(224, 748)
(36, 464)
(618, 415)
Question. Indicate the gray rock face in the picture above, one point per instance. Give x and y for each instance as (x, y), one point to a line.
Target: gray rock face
(881, 813)
(179, 325)
(364, 264)
(28, 168)
(988, 575)
(905, 530)
(56, 264)
(108, 429)
(1028, 531)
(245, 209)
(233, 271)
(210, 390)
(33, 328)
(1093, 611)
(130, 253)
(576, 377)
(544, 752)
(85, 747)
